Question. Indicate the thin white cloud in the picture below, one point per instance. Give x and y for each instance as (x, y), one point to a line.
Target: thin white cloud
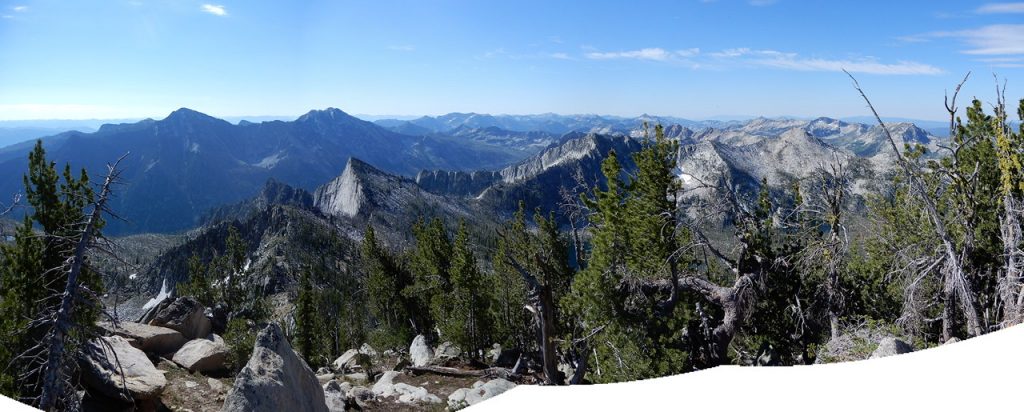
(404, 48)
(853, 66)
(793, 61)
(991, 40)
(650, 53)
(214, 9)
(1001, 8)
(559, 56)
(20, 9)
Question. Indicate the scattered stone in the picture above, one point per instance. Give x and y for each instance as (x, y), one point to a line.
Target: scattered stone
(216, 385)
(385, 386)
(335, 396)
(446, 351)
(275, 379)
(325, 378)
(346, 361)
(414, 394)
(368, 350)
(494, 352)
(420, 351)
(890, 346)
(142, 380)
(357, 377)
(184, 315)
(151, 339)
(361, 393)
(951, 341)
(203, 355)
(323, 370)
(191, 384)
(479, 392)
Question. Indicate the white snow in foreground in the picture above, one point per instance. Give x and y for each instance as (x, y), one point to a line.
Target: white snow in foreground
(164, 294)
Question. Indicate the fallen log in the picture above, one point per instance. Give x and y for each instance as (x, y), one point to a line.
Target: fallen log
(462, 373)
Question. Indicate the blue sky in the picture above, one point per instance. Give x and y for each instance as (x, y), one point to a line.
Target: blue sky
(688, 58)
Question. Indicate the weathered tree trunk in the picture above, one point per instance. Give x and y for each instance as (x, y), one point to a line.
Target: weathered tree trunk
(54, 369)
(955, 280)
(542, 307)
(1010, 284)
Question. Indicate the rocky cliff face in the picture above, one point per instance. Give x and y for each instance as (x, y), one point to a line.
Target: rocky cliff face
(457, 183)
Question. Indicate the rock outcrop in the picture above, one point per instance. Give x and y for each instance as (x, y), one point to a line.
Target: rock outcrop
(203, 355)
(184, 315)
(104, 361)
(150, 339)
(890, 346)
(275, 379)
(420, 352)
(480, 392)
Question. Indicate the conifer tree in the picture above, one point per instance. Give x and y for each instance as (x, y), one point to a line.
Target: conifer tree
(385, 280)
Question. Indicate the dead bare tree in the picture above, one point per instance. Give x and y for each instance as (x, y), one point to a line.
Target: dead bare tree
(832, 188)
(1008, 148)
(956, 286)
(56, 364)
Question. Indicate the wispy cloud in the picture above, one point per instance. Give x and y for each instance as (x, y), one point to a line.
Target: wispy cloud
(853, 66)
(214, 9)
(651, 53)
(1000, 8)
(996, 39)
(404, 48)
(793, 61)
(559, 56)
(20, 9)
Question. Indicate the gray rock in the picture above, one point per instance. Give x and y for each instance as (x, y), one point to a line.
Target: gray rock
(107, 357)
(368, 350)
(335, 396)
(446, 351)
(414, 394)
(385, 385)
(184, 315)
(357, 377)
(346, 361)
(275, 379)
(890, 346)
(494, 352)
(479, 392)
(216, 385)
(203, 355)
(951, 341)
(420, 352)
(361, 393)
(324, 378)
(151, 339)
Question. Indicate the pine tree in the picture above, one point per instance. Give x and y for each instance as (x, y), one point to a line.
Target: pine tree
(307, 325)
(34, 262)
(467, 304)
(430, 263)
(385, 280)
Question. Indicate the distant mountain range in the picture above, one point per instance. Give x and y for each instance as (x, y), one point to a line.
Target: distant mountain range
(189, 168)
(182, 166)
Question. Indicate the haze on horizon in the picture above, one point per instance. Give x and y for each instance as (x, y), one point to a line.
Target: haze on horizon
(696, 59)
